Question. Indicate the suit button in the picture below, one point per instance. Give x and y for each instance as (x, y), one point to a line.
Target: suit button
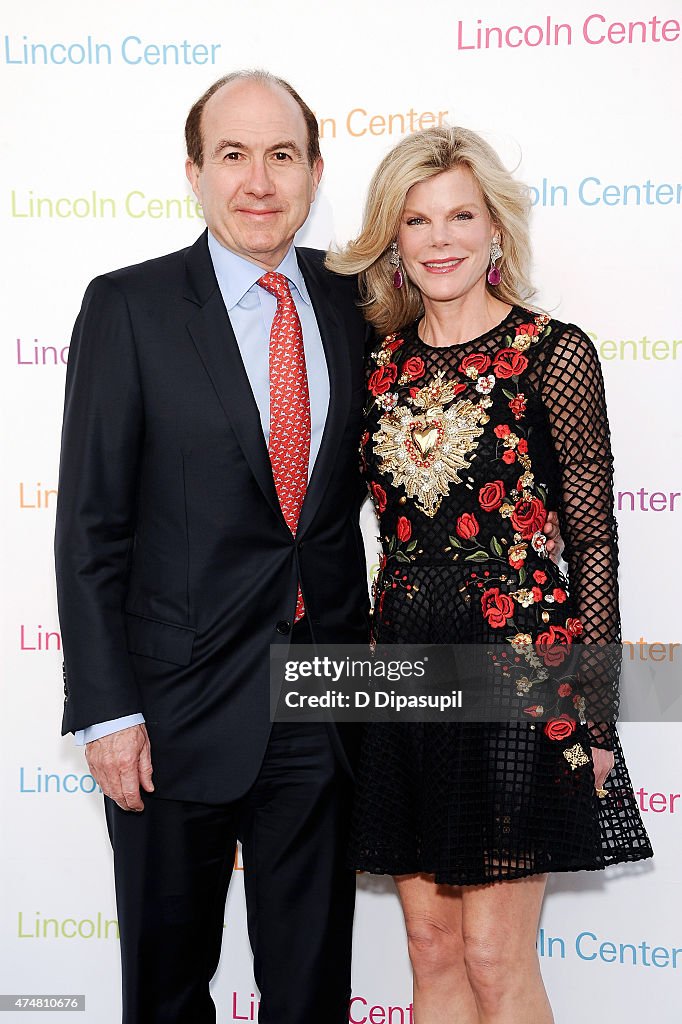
(283, 627)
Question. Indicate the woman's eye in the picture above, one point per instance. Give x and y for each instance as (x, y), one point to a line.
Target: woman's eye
(463, 215)
(415, 220)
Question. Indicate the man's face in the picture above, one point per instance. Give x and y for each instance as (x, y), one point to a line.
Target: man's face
(256, 185)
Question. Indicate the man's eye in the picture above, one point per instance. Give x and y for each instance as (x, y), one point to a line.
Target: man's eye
(282, 156)
(232, 155)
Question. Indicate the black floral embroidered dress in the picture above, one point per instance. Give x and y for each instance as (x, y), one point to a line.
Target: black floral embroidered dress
(466, 448)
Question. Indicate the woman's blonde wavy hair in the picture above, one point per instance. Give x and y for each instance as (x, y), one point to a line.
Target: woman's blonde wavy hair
(417, 157)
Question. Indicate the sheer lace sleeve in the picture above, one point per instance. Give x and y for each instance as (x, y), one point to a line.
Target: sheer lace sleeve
(573, 392)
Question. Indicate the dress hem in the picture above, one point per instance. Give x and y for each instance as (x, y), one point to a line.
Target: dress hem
(443, 878)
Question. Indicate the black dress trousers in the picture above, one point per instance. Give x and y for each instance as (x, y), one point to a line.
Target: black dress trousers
(173, 864)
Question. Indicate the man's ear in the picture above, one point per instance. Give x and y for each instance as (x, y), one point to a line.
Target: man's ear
(192, 172)
(317, 170)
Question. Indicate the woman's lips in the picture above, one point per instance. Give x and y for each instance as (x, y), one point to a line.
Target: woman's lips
(442, 266)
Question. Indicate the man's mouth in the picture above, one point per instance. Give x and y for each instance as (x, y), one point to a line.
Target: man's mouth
(257, 213)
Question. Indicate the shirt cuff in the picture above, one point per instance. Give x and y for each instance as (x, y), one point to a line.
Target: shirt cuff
(95, 732)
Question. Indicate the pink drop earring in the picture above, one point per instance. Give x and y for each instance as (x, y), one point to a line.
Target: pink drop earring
(494, 275)
(394, 260)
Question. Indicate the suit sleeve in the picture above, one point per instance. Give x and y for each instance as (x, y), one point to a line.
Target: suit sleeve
(102, 439)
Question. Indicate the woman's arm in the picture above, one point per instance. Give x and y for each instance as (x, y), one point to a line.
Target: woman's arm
(572, 389)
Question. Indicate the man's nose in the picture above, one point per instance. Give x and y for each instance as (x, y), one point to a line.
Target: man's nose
(259, 180)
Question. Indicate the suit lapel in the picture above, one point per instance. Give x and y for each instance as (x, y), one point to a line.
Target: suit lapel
(216, 344)
(330, 324)
(215, 341)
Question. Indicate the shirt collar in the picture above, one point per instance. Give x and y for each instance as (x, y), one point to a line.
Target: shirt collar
(236, 276)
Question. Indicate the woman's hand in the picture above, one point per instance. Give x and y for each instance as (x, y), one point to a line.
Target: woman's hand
(555, 542)
(602, 761)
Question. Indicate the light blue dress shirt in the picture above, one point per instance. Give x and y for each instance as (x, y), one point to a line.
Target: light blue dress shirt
(251, 310)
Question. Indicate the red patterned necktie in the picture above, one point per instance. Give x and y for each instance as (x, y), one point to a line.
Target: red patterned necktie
(289, 407)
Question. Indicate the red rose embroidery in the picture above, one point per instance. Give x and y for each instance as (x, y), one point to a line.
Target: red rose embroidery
(379, 495)
(502, 430)
(537, 594)
(559, 728)
(518, 406)
(403, 529)
(381, 380)
(467, 526)
(394, 344)
(479, 362)
(528, 516)
(553, 645)
(459, 387)
(414, 366)
(574, 626)
(522, 446)
(491, 495)
(509, 457)
(535, 710)
(508, 363)
(559, 595)
(497, 607)
(565, 689)
(529, 329)
(539, 576)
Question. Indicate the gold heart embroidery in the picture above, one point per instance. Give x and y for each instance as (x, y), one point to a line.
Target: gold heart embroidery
(425, 439)
(426, 454)
(422, 440)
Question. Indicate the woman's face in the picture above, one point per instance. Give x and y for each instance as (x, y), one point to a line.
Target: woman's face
(445, 235)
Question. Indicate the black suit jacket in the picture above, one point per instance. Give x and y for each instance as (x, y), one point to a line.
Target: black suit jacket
(175, 566)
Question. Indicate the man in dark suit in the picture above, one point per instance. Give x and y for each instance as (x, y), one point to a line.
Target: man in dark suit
(180, 561)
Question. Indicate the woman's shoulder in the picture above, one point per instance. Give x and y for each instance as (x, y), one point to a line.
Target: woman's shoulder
(565, 342)
(396, 339)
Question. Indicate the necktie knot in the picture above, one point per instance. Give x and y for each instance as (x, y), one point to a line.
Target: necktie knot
(276, 284)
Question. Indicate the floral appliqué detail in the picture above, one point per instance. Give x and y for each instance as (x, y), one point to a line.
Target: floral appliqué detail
(423, 442)
(424, 448)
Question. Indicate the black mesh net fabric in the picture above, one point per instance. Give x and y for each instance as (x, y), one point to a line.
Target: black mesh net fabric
(572, 389)
(482, 802)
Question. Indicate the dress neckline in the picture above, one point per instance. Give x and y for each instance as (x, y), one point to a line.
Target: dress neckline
(413, 329)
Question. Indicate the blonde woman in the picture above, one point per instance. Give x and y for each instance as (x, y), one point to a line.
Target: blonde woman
(483, 415)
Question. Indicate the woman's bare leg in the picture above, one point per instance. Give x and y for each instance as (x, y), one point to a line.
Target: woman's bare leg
(433, 920)
(499, 932)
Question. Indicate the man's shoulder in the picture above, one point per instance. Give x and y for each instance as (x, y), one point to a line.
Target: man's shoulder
(311, 262)
(162, 275)
(159, 268)
(314, 256)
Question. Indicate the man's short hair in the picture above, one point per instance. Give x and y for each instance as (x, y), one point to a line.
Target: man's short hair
(193, 132)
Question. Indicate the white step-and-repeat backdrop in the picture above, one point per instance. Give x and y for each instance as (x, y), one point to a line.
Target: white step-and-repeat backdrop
(583, 98)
